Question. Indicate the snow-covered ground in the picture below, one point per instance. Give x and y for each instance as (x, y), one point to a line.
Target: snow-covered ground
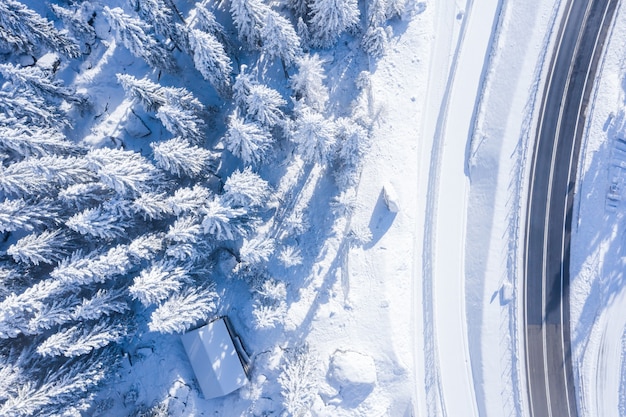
(598, 295)
(414, 311)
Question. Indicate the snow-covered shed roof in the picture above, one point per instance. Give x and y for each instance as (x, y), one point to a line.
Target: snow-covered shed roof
(214, 359)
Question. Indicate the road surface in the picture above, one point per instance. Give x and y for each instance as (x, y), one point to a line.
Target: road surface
(551, 391)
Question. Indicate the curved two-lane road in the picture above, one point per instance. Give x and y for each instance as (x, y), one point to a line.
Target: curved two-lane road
(551, 391)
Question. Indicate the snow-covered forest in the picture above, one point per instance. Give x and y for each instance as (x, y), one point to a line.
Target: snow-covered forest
(152, 154)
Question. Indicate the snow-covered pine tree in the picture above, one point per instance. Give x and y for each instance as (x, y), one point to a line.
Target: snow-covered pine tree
(314, 136)
(185, 229)
(102, 303)
(126, 172)
(211, 60)
(151, 95)
(189, 199)
(158, 14)
(18, 310)
(264, 105)
(65, 390)
(207, 22)
(152, 206)
(159, 281)
(247, 140)
(290, 256)
(241, 87)
(48, 247)
(84, 195)
(279, 39)
(98, 222)
(40, 82)
(83, 338)
(224, 222)
(24, 105)
(245, 189)
(81, 269)
(43, 175)
(145, 247)
(353, 143)
(19, 140)
(375, 41)
(300, 8)
(20, 214)
(249, 17)
(182, 310)
(133, 33)
(77, 21)
(299, 381)
(268, 316)
(181, 122)
(256, 250)
(179, 157)
(52, 313)
(330, 18)
(308, 82)
(23, 29)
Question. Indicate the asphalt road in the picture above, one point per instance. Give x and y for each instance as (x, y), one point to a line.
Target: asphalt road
(551, 391)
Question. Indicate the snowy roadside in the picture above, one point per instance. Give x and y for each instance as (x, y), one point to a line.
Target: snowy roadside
(504, 129)
(598, 296)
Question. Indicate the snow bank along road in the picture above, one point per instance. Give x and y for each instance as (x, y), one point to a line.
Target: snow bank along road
(553, 174)
(448, 377)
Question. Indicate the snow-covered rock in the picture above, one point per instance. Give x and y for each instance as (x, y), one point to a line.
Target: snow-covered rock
(353, 374)
(391, 198)
(136, 127)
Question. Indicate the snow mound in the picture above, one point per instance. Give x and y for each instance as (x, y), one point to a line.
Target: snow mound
(353, 374)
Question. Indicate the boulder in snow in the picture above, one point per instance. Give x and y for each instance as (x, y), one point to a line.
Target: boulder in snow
(353, 374)
(391, 198)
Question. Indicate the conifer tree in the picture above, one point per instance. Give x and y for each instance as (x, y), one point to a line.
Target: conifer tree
(23, 29)
(81, 269)
(158, 282)
(20, 214)
(180, 157)
(48, 247)
(185, 230)
(245, 189)
(152, 95)
(224, 222)
(133, 33)
(102, 303)
(159, 16)
(82, 338)
(126, 172)
(264, 105)
(182, 310)
(66, 390)
(189, 199)
(152, 206)
(314, 135)
(21, 141)
(98, 222)
(279, 38)
(308, 82)
(77, 21)
(249, 16)
(24, 105)
(247, 140)
(181, 122)
(330, 18)
(210, 59)
(41, 83)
